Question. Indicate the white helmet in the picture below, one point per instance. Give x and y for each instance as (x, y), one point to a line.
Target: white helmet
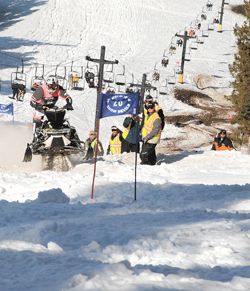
(52, 81)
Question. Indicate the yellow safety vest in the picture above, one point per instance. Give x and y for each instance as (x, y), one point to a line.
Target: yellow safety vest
(115, 145)
(148, 127)
(93, 143)
(126, 131)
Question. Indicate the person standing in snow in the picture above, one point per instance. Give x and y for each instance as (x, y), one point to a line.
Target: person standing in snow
(158, 109)
(222, 142)
(115, 141)
(130, 134)
(90, 146)
(151, 133)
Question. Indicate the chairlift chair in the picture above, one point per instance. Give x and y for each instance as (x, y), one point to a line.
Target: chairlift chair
(199, 40)
(130, 79)
(209, 5)
(62, 80)
(205, 33)
(187, 57)
(108, 77)
(165, 54)
(90, 75)
(37, 79)
(120, 79)
(210, 26)
(76, 80)
(171, 79)
(18, 84)
(194, 45)
(204, 9)
(163, 90)
(172, 47)
(203, 16)
(18, 78)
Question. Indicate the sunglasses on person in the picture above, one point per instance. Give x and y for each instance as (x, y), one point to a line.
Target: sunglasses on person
(52, 86)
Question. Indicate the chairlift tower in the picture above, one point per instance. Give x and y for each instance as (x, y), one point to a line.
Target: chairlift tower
(185, 38)
(101, 63)
(221, 15)
(144, 86)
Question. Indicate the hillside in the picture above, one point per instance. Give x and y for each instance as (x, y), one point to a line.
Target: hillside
(186, 224)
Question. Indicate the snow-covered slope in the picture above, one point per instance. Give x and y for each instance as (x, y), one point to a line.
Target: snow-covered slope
(188, 228)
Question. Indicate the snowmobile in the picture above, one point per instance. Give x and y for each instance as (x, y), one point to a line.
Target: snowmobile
(54, 139)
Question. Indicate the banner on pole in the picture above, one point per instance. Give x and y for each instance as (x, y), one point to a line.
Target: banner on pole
(7, 108)
(118, 104)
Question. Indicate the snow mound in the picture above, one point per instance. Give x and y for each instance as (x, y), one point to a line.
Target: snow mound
(55, 195)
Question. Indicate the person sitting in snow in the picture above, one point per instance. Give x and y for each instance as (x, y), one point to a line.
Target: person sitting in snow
(90, 146)
(222, 142)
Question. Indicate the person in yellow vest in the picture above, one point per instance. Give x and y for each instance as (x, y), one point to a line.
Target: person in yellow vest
(158, 109)
(115, 141)
(90, 146)
(151, 134)
(222, 142)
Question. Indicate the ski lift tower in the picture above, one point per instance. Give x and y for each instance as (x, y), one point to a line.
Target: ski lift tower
(221, 15)
(185, 39)
(144, 86)
(101, 63)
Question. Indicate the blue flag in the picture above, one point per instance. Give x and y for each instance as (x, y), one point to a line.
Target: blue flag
(118, 104)
(7, 108)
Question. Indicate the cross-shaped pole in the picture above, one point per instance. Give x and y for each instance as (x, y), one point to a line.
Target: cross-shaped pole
(101, 63)
(144, 86)
(185, 38)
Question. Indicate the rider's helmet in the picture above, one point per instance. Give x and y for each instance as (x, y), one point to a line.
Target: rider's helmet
(52, 82)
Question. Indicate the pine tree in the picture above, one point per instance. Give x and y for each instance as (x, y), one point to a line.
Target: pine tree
(240, 70)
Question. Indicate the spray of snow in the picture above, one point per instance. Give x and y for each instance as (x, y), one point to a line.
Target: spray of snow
(14, 138)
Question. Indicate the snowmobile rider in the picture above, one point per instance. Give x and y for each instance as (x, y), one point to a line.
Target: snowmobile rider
(222, 142)
(115, 141)
(158, 109)
(47, 94)
(151, 134)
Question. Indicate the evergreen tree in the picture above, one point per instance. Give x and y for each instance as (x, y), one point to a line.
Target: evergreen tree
(240, 70)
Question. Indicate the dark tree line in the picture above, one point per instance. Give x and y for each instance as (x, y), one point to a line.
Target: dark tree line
(240, 70)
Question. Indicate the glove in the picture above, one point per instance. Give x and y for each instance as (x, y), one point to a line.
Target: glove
(68, 106)
(45, 107)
